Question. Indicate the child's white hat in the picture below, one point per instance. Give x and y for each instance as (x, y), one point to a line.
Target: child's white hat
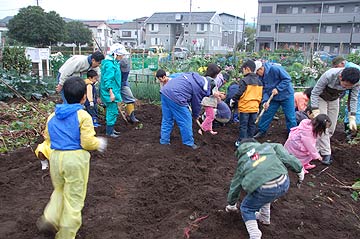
(258, 64)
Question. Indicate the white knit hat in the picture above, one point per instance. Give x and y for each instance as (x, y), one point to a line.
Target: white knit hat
(258, 64)
(118, 49)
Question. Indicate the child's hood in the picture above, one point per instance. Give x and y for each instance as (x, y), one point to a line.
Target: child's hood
(65, 110)
(305, 124)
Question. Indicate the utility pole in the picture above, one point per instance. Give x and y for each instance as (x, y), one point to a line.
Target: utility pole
(254, 35)
(190, 42)
(351, 34)
(321, 16)
(37, 2)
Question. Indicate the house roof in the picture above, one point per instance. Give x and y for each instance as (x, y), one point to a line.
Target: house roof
(129, 25)
(230, 15)
(184, 17)
(93, 23)
(114, 26)
(141, 19)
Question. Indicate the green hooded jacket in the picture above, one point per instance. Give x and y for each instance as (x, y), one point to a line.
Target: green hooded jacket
(110, 79)
(258, 164)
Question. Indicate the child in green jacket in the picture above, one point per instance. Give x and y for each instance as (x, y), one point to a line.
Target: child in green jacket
(262, 173)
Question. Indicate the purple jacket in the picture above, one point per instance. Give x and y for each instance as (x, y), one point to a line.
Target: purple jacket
(187, 89)
(302, 142)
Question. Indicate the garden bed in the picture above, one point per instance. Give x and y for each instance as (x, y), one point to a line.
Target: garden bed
(141, 189)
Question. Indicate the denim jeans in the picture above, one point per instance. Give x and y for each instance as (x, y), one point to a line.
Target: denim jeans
(288, 107)
(247, 125)
(255, 200)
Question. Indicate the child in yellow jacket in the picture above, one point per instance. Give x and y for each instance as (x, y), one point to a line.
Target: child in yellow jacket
(70, 133)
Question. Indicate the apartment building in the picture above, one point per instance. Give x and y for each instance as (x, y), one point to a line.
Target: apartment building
(232, 31)
(198, 31)
(332, 26)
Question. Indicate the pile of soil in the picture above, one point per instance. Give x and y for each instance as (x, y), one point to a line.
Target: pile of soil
(141, 189)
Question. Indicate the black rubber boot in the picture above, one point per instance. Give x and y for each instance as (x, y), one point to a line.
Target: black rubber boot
(133, 119)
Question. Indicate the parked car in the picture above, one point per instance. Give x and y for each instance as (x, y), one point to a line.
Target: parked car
(324, 56)
(181, 53)
(158, 51)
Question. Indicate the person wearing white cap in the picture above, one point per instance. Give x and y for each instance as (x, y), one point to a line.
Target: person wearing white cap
(110, 86)
(277, 82)
(126, 93)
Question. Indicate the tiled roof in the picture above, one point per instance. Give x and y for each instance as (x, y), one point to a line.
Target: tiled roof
(183, 17)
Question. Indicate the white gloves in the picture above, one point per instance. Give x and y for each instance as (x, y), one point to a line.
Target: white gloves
(315, 112)
(44, 164)
(91, 104)
(231, 208)
(352, 122)
(232, 102)
(301, 175)
(102, 144)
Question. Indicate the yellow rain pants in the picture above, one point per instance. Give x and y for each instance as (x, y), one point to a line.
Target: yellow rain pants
(69, 172)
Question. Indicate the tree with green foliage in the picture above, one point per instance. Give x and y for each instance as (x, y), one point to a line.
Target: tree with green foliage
(77, 32)
(249, 35)
(14, 59)
(33, 26)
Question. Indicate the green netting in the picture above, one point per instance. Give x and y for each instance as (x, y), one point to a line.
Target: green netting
(138, 63)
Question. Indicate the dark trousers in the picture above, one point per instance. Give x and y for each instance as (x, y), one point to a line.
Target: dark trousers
(247, 126)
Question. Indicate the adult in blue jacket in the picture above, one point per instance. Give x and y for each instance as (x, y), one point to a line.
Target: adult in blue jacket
(177, 95)
(276, 81)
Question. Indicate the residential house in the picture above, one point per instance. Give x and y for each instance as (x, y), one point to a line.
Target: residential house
(102, 33)
(198, 31)
(332, 26)
(232, 30)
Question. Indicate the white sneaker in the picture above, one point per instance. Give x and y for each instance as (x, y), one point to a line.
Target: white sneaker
(261, 219)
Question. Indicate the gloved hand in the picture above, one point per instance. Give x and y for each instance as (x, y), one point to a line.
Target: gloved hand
(231, 208)
(301, 175)
(232, 103)
(91, 104)
(352, 122)
(315, 112)
(102, 144)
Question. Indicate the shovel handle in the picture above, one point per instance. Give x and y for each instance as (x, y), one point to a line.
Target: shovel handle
(263, 110)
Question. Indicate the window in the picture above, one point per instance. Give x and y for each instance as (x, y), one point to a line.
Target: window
(266, 9)
(338, 29)
(282, 28)
(331, 9)
(293, 29)
(155, 41)
(315, 29)
(211, 27)
(212, 43)
(302, 29)
(201, 27)
(99, 30)
(303, 11)
(153, 27)
(265, 28)
(356, 8)
(341, 9)
(328, 29)
(317, 9)
(295, 10)
(126, 33)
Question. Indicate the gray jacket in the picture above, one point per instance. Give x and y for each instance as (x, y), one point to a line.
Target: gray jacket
(328, 87)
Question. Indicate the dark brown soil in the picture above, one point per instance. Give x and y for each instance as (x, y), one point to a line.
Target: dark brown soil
(141, 189)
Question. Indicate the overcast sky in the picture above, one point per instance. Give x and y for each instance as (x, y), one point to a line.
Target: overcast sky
(130, 9)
